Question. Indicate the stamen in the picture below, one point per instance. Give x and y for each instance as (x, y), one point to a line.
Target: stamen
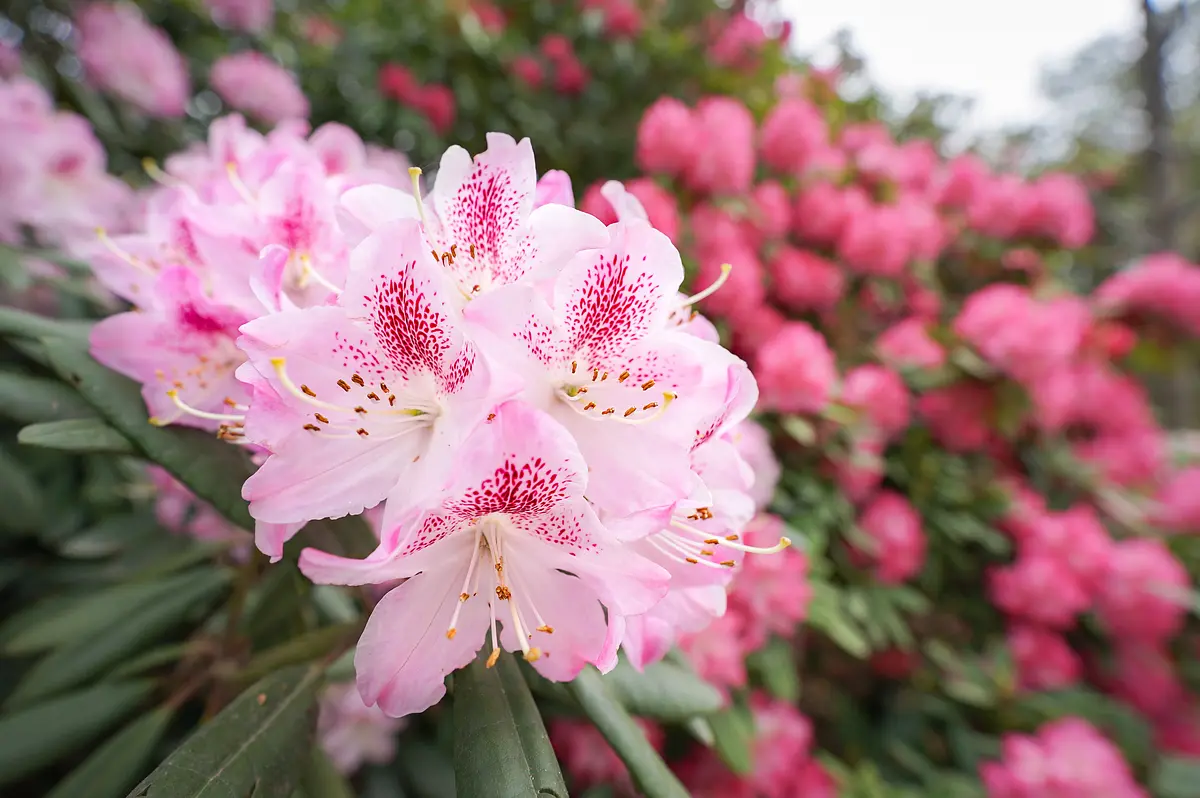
(712, 289)
(236, 181)
(463, 594)
(112, 247)
(280, 366)
(198, 413)
(655, 541)
(414, 173)
(159, 176)
(308, 270)
(733, 544)
(668, 397)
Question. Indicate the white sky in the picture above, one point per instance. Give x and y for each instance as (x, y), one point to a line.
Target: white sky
(988, 49)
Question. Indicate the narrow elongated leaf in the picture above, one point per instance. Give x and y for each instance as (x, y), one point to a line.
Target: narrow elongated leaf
(115, 766)
(35, 737)
(664, 691)
(1176, 777)
(252, 747)
(57, 621)
(305, 648)
(111, 535)
(650, 774)
(210, 468)
(733, 738)
(30, 400)
(90, 656)
(501, 747)
(775, 664)
(75, 435)
(19, 324)
(22, 500)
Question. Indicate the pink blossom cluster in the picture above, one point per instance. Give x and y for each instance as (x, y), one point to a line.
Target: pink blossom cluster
(256, 85)
(1067, 758)
(544, 426)
(351, 733)
(252, 16)
(433, 101)
(783, 763)
(136, 62)
(589, 760)
(53, 184)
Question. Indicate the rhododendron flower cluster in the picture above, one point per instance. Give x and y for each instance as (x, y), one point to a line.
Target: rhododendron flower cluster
(52, 171)
(543, 425)
(253, 83)
(125, 55)
(1067, 758)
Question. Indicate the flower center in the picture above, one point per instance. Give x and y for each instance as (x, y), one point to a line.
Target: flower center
(682, 541)
(585, 389)
(489, 549)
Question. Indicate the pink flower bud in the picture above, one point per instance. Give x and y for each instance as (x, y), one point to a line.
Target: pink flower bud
(959, 416)
(557, 47)
(554, 188)
(570, 77)
(437, 103)
(899, 542)
(795, 370)
(528, 70)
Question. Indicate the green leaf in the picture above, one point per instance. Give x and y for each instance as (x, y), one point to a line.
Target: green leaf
(776, 666)
(1176, 777)
(115, 766)
(733, 738)
(664, 691)
(650, 775)
(110, 536)
(251, 748)
(20, 496)
(75, 435)
(827, 614)
(37, 736)
(500, 744)
(29, 400)
(57, 621)
(322, 780)
(305, 648)
(210, 468)
(88, 657)
(19, 324)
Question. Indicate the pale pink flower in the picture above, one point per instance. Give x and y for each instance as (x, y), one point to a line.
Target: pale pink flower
(351, 733)
(253, 83)
(561, 588)
(245, 15)
(554, 188)
(795, 370)
(377, 383)
(599, 351)
(480, 218)
(753, 445)
(124, 54)
(907, 344)
(653, 203)
(718, 651)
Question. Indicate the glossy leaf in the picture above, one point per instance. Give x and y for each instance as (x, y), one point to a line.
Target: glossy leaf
(89, 656)
(75, 435)
(115, 766)
(251, 747)
(212, 469)
(22, 500)
(322, 780)
(30, 400)
(20, 324)
(733, 737)
(650, 774)
(664, 691)
(500, 743)
(39, 735)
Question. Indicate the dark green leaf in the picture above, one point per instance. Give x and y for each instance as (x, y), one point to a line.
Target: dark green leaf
(322, 780)
(251, 748)
(103, 648)
(35, 737)
(500, 744)
(29, 400)
(733, 737)
(113, 534)
(22, 500)
(1176, 777)
(115, 766)
(212, 469)
(775, 665)
(426, 770)
(305, 648)
(19, 324)
(57, 621)
(664, 691)
(75, 435)
(650, 774)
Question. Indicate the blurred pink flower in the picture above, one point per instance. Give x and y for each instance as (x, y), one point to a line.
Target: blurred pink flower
(1043, 658)
(245, 15)
(351, 733)
(908, 344)
(724, 161)
(804, 281)
(793, 130)
(959, 415)
(795, 370)
(125, 55)
(1142, 597)
(253, 83)
(589, 760)
(666, 137)
(880, 395)
(894, 528)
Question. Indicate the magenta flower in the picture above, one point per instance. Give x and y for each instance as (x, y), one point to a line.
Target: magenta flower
(509, 539)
